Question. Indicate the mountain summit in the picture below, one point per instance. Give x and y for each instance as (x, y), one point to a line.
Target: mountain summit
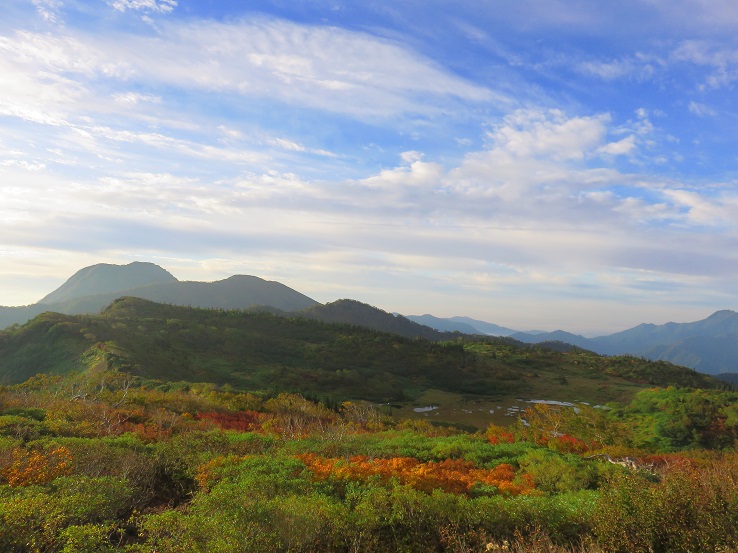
(93, 288)
(105, 278)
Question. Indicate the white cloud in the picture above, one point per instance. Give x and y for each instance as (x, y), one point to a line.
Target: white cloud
(703, 210)
(609, 70)
(722, 61)
(43, 99)
(619, 148)
(52, 78)
(165, 142)
(23, 164)
(48, 10)
(325, 68)
(62, 55)
(229, 133)
(549, 134)
(638, 66)
(402, 183)
(133, 98)
(157, 6)
(292, 146)
(701, 109)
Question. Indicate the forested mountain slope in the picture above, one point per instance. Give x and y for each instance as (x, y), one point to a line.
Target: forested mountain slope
(257, 351)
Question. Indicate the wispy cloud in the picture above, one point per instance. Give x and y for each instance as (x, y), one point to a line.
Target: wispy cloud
(156, 6)
(133, 98)
(700, 109)
(48, 10)
(722, 62)
(325, 68)
(638, 67)
(292, 146)
(472, 157)
(551, 197)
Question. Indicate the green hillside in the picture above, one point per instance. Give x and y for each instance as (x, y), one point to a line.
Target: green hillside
(98, 463)
(144, 445)
(262, 351)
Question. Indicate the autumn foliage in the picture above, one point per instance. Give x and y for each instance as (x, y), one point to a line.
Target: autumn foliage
(242, 421)
(102, 465)
(450, 475)
(499, 435)
(33, 467)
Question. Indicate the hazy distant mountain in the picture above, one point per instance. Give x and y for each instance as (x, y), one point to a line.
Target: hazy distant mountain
(645, 337)
(74, 296)
(444, 325)
(708, 354)
(555, 336)
(105, 278)
(93, 288)
(484, 327)
(18, 315)
(461, 324)
(709, 345)
(730, 378)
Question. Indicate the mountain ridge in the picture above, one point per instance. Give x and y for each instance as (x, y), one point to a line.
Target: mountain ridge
(262, 351)
(466, 325)
(93, 288)
(709, 345)
(105, 278)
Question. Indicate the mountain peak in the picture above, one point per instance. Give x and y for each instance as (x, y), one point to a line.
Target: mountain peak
(721, 315)
(104, 278)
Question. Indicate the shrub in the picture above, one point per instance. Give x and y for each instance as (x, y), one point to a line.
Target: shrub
(693, 509)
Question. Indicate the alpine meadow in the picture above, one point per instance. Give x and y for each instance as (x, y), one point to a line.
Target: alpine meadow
(342, 276)
(340, 427)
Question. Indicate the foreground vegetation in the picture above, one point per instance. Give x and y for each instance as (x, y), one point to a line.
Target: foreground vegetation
(105, 461)
(104, 451)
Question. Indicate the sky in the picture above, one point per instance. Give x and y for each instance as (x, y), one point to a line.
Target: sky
(538, 164)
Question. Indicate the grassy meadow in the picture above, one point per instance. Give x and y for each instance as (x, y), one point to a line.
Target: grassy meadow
(158, 428)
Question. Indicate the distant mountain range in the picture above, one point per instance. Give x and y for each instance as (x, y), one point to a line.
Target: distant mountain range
(709, 345)
(93, 288)
(462, 324)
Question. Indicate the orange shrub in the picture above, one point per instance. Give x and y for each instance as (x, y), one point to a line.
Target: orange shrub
(243, 421)
(451, 475)
(27, 468)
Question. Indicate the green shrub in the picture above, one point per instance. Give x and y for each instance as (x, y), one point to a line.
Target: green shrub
(692, 509)
(555, 473)
(35, 518)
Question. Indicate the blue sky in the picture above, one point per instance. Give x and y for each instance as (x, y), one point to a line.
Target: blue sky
(533, 164)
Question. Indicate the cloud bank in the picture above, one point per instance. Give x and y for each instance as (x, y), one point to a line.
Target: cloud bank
(345, 160)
